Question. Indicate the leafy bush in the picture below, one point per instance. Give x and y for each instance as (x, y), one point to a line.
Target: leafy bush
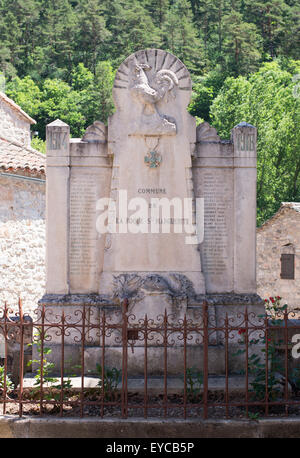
(9, 383)
(110, 381)
(257, 362)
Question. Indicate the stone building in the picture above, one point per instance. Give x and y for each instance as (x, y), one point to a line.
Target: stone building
(22, 209)
(278, 255)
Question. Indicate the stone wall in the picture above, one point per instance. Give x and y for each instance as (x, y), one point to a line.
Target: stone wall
(22, 240)
(13, 127)
(282, 229)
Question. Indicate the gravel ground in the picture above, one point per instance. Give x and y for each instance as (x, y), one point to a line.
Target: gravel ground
(156, 406)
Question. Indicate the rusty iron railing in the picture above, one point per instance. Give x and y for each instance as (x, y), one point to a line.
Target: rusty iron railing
(199, 364)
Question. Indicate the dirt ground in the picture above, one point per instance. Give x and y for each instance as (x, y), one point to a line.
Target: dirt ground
(157, 406)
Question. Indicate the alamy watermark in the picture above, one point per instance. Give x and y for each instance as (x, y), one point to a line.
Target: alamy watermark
(296, 346)
(160, 215)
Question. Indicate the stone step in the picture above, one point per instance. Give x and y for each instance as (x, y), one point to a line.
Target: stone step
(155, 384)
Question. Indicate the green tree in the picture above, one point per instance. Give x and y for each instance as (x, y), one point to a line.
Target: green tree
(267, 100)
(95, 91)
(205, 89)
(92, 33)
(180, 37)
(228, 108)
(104, 79)
(241, 45)
(26, 14)
(49, 38)
(82, 78)
(158, 10)
(9, 41)
(269, 16)
(59, 100)
(290, 38)
(38, 144)
(208, 19)
(26, 93)
(202, 98)
(6, 67)
(131, 28)
(78, 44)
(58, 37)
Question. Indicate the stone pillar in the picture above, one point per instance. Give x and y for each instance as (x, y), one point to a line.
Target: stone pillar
(90, 173)
(57, 207)
(244, 141)
(213, 181)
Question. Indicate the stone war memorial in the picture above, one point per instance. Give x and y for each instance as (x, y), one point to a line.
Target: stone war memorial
(151, 209)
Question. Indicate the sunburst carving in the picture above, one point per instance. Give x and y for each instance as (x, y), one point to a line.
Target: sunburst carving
(158, 60)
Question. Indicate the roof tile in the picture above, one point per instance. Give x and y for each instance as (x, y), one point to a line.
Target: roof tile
(284, 207)
(13, 155)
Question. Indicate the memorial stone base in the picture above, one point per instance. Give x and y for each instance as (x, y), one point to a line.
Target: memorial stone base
(94, 307)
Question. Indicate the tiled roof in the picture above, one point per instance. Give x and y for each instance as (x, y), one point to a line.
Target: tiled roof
(16, 107)
(284, 206)
(292, 205)
(15, 156)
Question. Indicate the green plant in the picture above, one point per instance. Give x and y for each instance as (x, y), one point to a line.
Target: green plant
(9, 383)
(38, 144)
(257, 362)
(110, 381)
(67, 384)
(274, 309)
(44, 366)
(253, 416)
(257, 368)
(194, 381)
(294, 381)
(43, 373)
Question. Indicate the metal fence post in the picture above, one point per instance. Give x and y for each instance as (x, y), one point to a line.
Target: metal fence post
(21, 358)
(124, 359)
(205, 358)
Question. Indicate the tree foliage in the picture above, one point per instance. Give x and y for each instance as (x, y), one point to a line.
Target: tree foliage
(268, 100)
(59, 58)
(48, 38)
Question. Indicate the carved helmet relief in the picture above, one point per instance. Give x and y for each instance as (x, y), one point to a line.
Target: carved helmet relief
(152, 78)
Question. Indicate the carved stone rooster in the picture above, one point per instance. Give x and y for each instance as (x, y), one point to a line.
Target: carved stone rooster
(163, 82)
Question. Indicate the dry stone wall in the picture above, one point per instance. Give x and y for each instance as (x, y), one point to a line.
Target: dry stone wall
(281, 230)
(12, 126)
(22, 241)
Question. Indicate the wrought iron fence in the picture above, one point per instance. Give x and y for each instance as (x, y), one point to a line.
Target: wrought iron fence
(199, 365)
